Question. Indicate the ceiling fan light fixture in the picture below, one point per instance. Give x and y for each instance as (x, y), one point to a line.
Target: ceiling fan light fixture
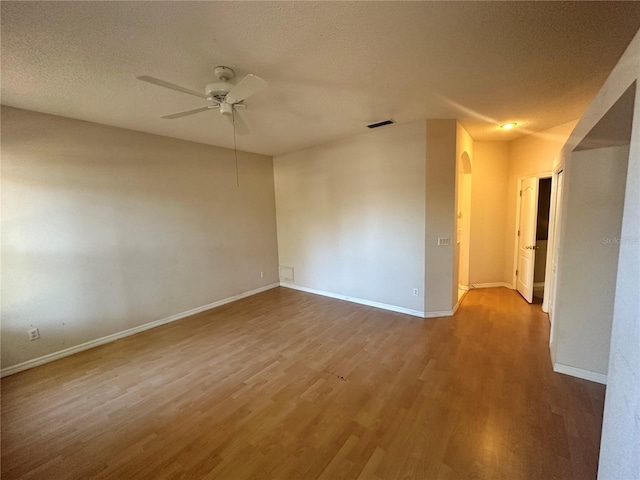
(226, 109)
(508, 126)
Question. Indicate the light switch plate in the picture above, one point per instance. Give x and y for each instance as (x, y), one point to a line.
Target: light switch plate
(444, 241)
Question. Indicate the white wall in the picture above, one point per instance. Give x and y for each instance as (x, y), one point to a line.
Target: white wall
(351, 215)
(488, 212)
(105, 229)
(592, 220)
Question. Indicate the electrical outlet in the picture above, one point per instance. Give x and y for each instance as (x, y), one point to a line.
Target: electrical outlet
(261, 274)
(415, 292)
(34, 334)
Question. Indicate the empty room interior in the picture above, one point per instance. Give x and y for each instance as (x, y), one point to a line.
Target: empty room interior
(320, 240)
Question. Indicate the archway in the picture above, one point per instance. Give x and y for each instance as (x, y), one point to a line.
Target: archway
(463, 219)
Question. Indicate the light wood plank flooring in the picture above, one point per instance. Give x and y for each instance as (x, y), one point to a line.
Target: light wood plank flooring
(290, 385)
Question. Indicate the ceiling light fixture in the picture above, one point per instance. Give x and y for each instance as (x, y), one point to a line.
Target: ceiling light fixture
(508, 126)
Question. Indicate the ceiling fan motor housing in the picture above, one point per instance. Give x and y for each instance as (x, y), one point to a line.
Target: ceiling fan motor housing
(218, 90)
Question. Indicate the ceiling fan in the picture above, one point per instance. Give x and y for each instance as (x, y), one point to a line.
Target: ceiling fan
(223, 95)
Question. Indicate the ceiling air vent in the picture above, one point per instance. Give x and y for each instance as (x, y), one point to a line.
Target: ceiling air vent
(381, 124)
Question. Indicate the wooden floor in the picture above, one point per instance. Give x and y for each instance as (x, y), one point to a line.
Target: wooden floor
(290, 385)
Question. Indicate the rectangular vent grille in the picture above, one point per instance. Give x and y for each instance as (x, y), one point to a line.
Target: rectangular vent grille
(381, 124)
(286, 274)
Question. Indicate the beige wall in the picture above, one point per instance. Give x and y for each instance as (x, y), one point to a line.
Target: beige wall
(105, 229)
(441, 272)
(589, 244)
(488, 212)
(497, 167)
(530, 155)
(351, 216)
(621, 430)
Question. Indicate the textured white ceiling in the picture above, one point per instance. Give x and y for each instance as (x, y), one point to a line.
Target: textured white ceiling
(332, 67)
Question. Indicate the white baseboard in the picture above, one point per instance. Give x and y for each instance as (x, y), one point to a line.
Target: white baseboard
(441, 313)
(580, 373)
(361, 301)
(492, 285)
(370, 303)
(463, 287)
(126, 333)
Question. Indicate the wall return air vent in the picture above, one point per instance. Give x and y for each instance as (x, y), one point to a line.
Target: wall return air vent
(380, 124)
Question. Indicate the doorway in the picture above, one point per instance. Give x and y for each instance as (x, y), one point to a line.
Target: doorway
(532, 236)
(542, 237)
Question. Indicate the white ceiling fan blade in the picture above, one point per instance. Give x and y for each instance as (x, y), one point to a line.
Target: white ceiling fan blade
(162, 83)
(238, 123)
(248, 86)
(188, 112)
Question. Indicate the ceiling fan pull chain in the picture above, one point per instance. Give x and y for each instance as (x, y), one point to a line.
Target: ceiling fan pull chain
(235, 147)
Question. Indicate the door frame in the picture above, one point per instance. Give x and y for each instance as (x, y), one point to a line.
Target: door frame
(555, 226)
(538, 176)
(555, 217)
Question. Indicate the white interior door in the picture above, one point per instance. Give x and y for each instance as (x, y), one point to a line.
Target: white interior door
(527, 237)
